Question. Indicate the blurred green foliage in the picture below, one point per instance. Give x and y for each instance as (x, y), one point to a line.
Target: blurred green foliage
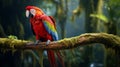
(14, 23)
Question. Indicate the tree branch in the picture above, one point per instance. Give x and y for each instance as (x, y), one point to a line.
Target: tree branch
(109, 41)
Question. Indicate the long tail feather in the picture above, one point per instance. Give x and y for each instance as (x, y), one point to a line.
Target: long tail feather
(60, 58)
(51, 58)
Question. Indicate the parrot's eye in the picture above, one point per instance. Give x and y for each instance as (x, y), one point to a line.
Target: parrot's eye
(33, 12)
(27, 13)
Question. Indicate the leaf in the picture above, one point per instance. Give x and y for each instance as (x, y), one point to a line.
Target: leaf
(12, 37)
(100, 16)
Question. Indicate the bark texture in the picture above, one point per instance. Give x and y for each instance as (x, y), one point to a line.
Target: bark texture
(108, 40)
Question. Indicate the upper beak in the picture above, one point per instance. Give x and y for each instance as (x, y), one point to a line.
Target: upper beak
(27, 13)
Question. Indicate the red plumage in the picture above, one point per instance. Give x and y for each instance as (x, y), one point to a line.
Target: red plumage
(42, 34)
(39, 29)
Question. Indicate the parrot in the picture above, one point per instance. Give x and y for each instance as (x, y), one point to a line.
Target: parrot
(44, 29)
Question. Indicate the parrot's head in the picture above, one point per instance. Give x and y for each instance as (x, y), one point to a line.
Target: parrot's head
(32, 11)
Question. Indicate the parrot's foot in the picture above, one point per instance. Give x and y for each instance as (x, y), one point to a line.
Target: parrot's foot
(37, 41)
(48, 41)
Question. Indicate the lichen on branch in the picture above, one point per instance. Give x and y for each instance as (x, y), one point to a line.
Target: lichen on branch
(8, 43)
(109, 41)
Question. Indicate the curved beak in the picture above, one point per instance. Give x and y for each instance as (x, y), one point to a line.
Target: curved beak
(27, 13)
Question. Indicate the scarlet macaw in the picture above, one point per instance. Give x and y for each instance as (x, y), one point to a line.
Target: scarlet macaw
(44, 29)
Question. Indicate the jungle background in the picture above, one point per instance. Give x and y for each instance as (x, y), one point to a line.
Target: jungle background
(73, 17)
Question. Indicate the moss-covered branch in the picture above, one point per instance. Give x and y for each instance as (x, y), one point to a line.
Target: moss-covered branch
(109, 40)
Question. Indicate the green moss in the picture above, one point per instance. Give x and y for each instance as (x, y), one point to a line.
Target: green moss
(11, 43)
(69, 41)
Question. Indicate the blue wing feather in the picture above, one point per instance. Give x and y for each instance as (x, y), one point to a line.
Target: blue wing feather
(51, 30)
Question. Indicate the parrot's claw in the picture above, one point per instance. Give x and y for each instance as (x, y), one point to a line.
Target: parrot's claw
(48, 41)
(37, 41)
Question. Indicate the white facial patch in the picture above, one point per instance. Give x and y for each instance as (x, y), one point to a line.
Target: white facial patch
(27, 13)
(33, 12)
